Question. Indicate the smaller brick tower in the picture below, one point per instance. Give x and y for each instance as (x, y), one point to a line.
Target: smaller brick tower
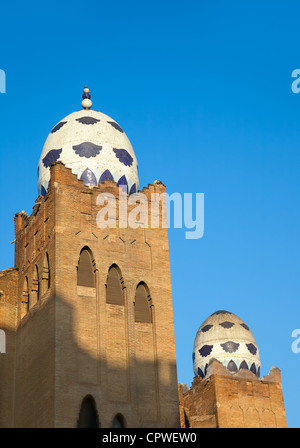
(227, 391)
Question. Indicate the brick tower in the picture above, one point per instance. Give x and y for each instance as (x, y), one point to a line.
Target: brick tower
(87, 310)
(227, 391)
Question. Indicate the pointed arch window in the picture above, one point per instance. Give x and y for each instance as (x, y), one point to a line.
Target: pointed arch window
(114, 286)
(85, 270)
(25, 298)
(46, 274)
(2, 341)
(119, 421)
(88, 415)
(143, 304)
(35, 293)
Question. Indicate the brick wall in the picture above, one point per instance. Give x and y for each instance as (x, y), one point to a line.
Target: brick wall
(227, 400)
(71, 343)
(8, 323)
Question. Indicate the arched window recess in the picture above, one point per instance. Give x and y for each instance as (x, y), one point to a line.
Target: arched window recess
(88, 415)
(86, 269)
(115, 286)
(46, 274)
(119, 421)
(143, 304)
(25, 298)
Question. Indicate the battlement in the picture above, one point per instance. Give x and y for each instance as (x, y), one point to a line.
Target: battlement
(232, 400)
(60, 174)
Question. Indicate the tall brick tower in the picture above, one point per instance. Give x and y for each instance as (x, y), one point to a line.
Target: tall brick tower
(87, 309)
(227, 391)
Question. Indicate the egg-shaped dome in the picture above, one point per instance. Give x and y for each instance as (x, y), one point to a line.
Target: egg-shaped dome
(94, 146)
(225, 337)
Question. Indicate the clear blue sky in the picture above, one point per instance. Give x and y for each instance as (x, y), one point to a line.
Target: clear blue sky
(203, 91)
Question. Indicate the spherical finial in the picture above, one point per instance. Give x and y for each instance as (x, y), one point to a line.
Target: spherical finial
(86, 103)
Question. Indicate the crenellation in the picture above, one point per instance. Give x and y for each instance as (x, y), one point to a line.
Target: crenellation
(238, 399)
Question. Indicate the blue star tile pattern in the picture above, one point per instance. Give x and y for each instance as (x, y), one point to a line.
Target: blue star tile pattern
(58, 126)
(253, 368)
(230, 346)
(116, 126)
(51, 157)
(205, 350)
(123, 156)
(205, 370)
(221, 312)
(252, 349)
(122, 183)
(87, 120)
(231, 366)
(226, 324)
(244, 365)
(200, 373)
(88, 177)
(87, 149)
(106, 175)
(133, 189)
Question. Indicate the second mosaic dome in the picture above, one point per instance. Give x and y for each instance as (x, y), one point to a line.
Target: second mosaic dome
(225, 337)
(94, 146)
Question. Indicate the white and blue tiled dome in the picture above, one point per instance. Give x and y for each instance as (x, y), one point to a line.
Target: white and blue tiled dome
(94, 146)
(225, 337)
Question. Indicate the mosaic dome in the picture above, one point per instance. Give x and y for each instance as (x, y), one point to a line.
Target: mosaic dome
(94, 146)
(225, 337)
